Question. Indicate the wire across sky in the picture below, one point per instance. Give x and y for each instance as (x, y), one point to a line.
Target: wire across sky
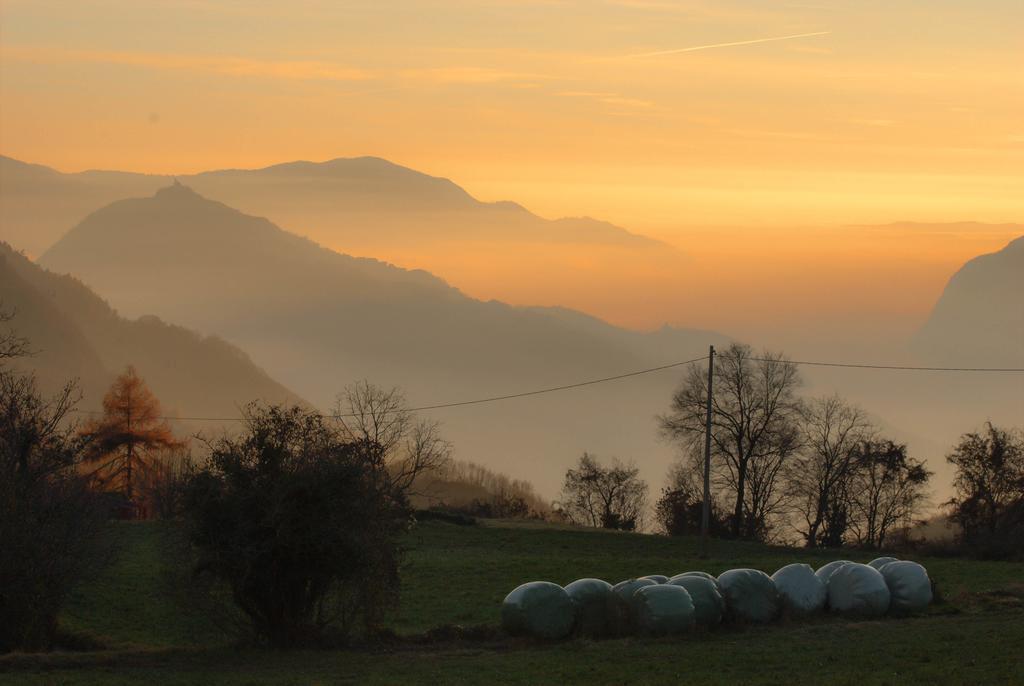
(639, 372)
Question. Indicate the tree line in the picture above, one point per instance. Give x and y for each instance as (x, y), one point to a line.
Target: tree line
(785, 468)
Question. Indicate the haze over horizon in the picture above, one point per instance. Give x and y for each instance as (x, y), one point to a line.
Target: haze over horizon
(320, 320)
(745, 134)
(803, 177)
(798, 288)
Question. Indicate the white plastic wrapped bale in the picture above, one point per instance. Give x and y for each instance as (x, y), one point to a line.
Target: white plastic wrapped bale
(592, 599)
(880, 562)
(750, 595)
(910, 589)
(826, 571)
(538, 608)
(708, 603)
(859, 590)
(802, 592)
(703, 575)
(663, 610)
(656, 578)
(622, 609)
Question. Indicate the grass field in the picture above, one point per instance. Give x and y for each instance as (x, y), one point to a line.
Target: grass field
(458, 576)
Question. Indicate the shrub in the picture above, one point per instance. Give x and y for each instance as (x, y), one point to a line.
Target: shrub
(989, 484)
(50, 523)
(301, 524)
(680, 509)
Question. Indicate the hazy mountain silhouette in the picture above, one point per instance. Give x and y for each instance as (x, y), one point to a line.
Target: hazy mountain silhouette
(347, 201)
(369, 206)
(344, 199)
(74, 334)
(318, 320)
(980, 316)
(38, 204)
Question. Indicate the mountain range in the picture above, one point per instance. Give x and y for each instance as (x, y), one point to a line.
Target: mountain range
(372, 207)
(354, 202)
(317, 319)
(320, 320)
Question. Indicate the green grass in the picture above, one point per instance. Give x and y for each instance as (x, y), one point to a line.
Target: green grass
(458, 575)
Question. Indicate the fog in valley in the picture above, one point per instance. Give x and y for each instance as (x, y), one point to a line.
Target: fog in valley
(296, 280)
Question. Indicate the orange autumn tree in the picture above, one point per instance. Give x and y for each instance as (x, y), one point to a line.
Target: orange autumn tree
(128, 438)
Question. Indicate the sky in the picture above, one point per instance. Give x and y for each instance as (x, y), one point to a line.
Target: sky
(896, 110)
(742, 132)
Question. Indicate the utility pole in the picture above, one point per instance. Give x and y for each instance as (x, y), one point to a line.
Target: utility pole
(705, 519)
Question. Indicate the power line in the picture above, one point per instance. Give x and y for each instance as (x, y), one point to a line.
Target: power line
(591, 382)
(846, 365)
(462, 403)
(560, 388)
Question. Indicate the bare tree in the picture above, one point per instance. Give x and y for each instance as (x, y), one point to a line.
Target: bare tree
(607, 497)
(888, 491)
(381, 422)
(11, 344)
(820, 475)
(31, 427)
(754, 430)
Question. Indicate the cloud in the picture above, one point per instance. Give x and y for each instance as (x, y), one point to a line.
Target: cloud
(302, 70)
(469, 75)
(614, 99)
(713, 10)
(873, 122)
(695, 48)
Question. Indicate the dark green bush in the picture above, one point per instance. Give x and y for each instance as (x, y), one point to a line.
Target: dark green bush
(51, 524)
(301, 524)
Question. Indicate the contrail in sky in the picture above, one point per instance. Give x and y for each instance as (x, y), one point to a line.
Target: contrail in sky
(729, 45)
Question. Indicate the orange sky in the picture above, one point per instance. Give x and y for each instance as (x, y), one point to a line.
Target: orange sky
(662, 116)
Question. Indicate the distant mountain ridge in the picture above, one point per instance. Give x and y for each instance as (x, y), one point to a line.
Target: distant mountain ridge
(371, 207)
(980, 314)
(318, 320)
(74, 334)
(335, 202)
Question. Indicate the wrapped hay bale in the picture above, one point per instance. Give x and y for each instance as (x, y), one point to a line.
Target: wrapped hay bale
(802, 592)
(538, 608)
(750, 595)
(826, 571)
(910, 589)
(703, 575)
(592, 600)
(663, 610)
(880, 562)
(859, 590)
(708, 603)
(623, 612)
(656, 578)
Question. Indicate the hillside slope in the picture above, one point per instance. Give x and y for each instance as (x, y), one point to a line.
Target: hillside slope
(319, 320)
(74, 334)
(980, 315)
